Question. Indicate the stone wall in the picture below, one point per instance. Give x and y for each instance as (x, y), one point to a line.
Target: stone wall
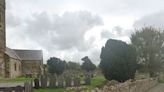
(31, 67)
(136, 86)
(15, 68)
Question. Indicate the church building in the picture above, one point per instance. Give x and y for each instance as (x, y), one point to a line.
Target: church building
(16, 62)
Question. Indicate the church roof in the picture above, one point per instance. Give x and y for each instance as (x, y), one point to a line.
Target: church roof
(11, 53)
(30, 54)
(24, 54)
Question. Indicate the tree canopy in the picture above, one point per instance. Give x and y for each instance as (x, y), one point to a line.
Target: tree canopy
(56, 66)
(149, 42)
(87, 64)
(73, 66)
(118, 61)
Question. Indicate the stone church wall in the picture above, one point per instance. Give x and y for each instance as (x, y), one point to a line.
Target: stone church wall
(15, 68)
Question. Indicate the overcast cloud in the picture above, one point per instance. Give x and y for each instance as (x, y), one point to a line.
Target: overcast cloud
(73, 29)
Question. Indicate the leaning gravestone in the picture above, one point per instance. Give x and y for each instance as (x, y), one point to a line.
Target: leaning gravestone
(43, 81)
(52, 80)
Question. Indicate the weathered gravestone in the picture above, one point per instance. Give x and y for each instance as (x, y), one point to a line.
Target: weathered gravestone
(28, 87)
(60, 82)
(19, 89)
(43, 81)
(76, 82)
(68, 81)
(52, 81)
(8, 90)
(36, 83)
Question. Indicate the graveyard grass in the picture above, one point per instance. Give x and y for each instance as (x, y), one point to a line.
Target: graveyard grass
(97, 81)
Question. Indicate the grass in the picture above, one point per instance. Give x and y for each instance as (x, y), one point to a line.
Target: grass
(95, 82)
(16, 80)
(161, 81)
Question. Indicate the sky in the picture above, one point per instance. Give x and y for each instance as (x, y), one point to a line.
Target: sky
(72, 29)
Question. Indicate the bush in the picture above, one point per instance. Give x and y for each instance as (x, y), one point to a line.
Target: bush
(118, 61)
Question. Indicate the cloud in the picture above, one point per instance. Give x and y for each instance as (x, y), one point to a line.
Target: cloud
(57, 35)
(155, 19)
(117, 32)
(62, 32)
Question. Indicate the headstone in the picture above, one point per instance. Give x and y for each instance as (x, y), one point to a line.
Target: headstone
(68, 81)
(43, 81)
(27, 87)
(36, 83)
(77, 82)
(19, 89)
(8, 90)
(87, 80)
(52, 81)
(60, 83)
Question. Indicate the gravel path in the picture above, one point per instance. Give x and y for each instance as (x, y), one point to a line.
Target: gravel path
(158, 88)
(11, 84)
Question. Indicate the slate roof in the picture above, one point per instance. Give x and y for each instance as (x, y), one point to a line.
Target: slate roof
(30, 54)
(24, 54)
(12, 53)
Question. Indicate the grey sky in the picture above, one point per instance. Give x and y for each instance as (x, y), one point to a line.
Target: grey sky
(71, 29)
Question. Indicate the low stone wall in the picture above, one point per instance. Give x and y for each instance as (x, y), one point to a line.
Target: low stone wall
(135, 86)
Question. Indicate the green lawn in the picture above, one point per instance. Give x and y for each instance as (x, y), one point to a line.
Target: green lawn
(161, 81)
(19, 79)
(95, 82)
(98, 81)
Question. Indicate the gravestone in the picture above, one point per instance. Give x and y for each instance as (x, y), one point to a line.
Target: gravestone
(43, 81)
(77, 82)
(68, 81)
(87, 80)
(52, 80)
(19, 89)
(8, 90)
(36, 83)
(60, 81)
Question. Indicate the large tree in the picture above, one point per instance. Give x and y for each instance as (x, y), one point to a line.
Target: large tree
(118, 61)
(148, 42)
(87, 64)
(56, 66)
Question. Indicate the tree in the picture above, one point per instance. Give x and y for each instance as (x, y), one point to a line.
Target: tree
(55, 66)
(87, 64)
(148, 42)
(73, 66)
(118, 61)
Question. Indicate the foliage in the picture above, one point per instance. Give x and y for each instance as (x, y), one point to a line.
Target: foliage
(148, 42)
(118, 61)
(73, 66)
(87, 64)
(56, 66)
